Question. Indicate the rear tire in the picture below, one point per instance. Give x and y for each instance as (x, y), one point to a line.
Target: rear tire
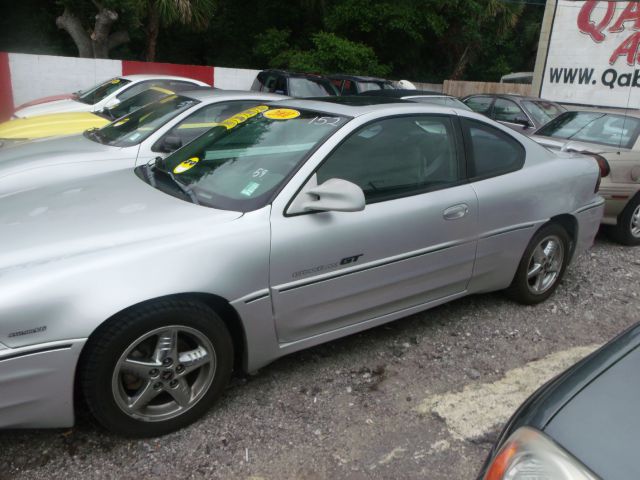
(627, 230)
(542, 265)
(156, 368)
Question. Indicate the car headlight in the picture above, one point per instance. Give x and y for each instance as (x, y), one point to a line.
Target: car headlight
(529, 454)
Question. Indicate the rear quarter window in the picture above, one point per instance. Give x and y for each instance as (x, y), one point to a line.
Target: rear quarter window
(490, 152)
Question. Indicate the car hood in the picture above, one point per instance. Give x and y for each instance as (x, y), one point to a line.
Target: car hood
(55, 151)
(57, 106)
(600, 424)
(95, 213)
(55, 124)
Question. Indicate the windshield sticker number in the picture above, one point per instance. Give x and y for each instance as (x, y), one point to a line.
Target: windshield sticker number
(281, 114)
(260, 172)
(249, 189)
(186, 165)
(333, 121)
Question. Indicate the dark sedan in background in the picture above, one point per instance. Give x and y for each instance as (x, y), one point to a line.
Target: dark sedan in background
(292, 84)
(524, 114)
(582, 425)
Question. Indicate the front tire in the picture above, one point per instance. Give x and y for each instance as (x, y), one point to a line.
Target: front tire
(542, 265)
(627, 230)
(156, 368)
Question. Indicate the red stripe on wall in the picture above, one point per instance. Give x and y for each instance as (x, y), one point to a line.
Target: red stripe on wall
(198, 72)
(6, 92)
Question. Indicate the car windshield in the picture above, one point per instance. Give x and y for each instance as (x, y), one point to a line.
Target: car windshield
(604, 128)
(444, 101)
(99, 92)
(134, 128)
(241, 163)
(542, 111)
(130, 105)
(310, 87)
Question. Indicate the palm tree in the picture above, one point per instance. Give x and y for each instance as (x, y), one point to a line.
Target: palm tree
(196, 13)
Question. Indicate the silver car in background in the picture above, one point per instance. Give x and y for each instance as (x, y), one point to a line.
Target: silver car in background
(291, 224)
(156, 129)
(614, 136)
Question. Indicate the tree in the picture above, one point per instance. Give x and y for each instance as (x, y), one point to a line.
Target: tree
(195, 13)
(92, 41)
(329, 54)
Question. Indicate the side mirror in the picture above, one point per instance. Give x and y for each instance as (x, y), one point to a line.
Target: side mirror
(170, 143)
(335, 195)
(524, 122)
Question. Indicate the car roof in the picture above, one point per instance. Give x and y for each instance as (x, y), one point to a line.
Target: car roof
(145, 76)
(513, 96)
(357, 78)
(208, 93)
(287, 73)
(404, 92)
(338, 106)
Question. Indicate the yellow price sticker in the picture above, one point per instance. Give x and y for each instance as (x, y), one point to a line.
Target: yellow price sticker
(186, 165)
(281, 114)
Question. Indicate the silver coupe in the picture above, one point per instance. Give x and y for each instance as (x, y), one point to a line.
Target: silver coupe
(291, 224)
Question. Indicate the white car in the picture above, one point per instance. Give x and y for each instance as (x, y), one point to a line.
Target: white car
(107, 94)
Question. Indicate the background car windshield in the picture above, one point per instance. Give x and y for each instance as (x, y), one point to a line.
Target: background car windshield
(134, 128)
(366, 86)
(98, 93)
(137, 101)
(603, 128)
(542, 112)
(239, 168)
(307, 87)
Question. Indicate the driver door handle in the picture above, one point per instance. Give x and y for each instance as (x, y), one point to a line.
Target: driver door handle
(456, 211)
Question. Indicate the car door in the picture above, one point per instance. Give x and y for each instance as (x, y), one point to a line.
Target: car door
(511, 115)
(190, 127)
(413, 244)
(507, 202)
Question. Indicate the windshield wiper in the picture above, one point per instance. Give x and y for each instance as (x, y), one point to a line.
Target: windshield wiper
(95, 135)
(158, 165)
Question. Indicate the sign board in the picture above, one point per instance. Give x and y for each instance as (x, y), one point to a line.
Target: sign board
(593, 56)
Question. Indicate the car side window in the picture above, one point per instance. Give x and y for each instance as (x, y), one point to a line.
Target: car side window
(199, 122)
(479, 104)
(349, 88)
(507, 111)
(270, 84)
(178, 85)
(491, 152)
(397, 157)
(135, 89)
(281, 86)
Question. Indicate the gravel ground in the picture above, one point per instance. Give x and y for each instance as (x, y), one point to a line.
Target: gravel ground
(349, 409)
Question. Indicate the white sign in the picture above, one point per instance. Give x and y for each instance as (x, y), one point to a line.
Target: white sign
(594, 54)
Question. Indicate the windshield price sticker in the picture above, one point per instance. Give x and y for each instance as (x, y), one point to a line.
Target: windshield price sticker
(281, 114)
(186, 165)
(243, 116)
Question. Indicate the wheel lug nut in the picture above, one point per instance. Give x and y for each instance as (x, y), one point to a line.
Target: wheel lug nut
(173, 383)
(167, 361)
(157, 386)
(180, 368)
(154, 372)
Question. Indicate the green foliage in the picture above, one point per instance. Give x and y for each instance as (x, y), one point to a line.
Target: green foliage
(422, 40)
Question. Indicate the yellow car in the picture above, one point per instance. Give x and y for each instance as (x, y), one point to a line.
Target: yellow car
(70, 123)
